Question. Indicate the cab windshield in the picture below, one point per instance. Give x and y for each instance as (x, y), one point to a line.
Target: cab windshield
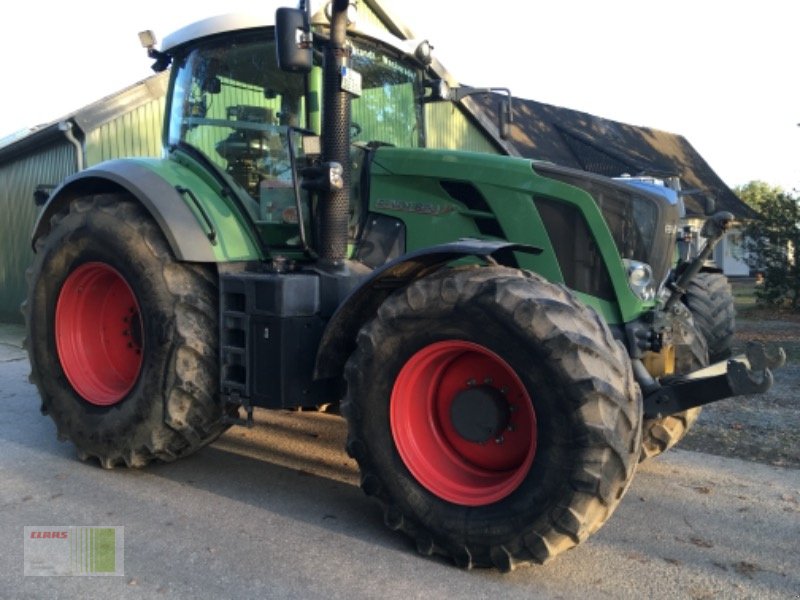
(388, 109)
(232, 103)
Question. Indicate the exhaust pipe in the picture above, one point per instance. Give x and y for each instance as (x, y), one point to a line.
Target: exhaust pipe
(335, 210)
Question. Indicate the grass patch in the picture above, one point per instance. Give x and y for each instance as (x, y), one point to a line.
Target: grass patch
(744, 295)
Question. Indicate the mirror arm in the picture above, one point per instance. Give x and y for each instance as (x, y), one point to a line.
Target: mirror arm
(506, 112)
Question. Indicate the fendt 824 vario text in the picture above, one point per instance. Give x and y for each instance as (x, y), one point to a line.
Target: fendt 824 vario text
(505, 339)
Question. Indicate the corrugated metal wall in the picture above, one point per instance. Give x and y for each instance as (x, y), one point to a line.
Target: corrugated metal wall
(18, 180)
(367, 16)
(446, 127)
(136, 133)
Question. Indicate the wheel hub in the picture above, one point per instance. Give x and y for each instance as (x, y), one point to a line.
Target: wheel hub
(479, 414)
(98, 331)
(441, 420)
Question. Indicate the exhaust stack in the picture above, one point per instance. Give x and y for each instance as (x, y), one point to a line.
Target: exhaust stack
(335, 208)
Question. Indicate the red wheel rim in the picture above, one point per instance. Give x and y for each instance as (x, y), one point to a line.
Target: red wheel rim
(445, 463)
(99, 333)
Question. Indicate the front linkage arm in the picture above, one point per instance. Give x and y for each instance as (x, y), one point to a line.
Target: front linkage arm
(747, 374)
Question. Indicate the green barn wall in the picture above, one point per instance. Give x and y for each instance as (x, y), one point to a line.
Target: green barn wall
(368, 16)
(133, 133)
(136, 133)
(18, 180)
(448, 128)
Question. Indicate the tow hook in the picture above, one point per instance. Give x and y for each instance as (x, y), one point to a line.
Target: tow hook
(750, 373)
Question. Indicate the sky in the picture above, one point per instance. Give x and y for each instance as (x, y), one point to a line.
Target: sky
(724, 75)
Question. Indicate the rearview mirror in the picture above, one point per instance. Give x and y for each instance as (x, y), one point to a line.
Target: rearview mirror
(440, 90)
(293, 40)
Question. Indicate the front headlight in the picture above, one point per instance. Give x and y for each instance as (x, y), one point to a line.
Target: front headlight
(640, 279)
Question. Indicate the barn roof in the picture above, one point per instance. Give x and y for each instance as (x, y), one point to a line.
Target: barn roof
(584, 141)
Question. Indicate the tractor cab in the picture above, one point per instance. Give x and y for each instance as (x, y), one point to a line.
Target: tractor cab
(236, 112)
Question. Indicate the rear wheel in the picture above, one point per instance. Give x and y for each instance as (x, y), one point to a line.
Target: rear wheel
(98, 331)
(493, 415)
(122, 338)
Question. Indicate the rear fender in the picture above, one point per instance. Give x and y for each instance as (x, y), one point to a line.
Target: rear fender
(197, 223)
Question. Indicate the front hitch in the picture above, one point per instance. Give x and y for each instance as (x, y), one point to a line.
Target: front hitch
(750, 373)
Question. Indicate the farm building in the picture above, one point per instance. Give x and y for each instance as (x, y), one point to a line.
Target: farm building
(129, 123)
(591, 143)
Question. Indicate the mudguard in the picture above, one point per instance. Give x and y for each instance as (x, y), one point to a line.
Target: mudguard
(361, 305)
(197, 222)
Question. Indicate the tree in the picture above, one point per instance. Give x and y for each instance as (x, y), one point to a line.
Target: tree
(773, 245)
(756, 192)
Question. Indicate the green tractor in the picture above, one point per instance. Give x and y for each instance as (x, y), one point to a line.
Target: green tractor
(493, 329)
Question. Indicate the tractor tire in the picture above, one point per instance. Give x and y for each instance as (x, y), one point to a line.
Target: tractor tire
(659, 435)
(122, 339)
(493, 415)
(710, 300)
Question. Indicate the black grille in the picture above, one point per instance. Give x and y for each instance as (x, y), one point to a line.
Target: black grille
(471, 197)
(578, 257)
(642, 224)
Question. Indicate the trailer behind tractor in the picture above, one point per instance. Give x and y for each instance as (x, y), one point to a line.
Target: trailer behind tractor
(495, 330)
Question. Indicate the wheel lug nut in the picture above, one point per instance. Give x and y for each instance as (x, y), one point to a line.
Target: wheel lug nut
(510, 427)
(504, 390)
(487, 381)
(471, 382)
(512, 408)
(499, 439)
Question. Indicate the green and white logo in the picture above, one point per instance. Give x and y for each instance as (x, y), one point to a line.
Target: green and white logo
(71, 550)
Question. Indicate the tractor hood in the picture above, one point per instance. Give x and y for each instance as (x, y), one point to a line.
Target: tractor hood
(449, 164)
(643, 224)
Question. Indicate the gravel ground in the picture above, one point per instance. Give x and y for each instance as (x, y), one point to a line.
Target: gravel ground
(764, 428)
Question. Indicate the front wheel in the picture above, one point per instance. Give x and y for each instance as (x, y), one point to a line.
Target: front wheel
(493, 415)
(122, 338)
(710, 300)
(662, 433)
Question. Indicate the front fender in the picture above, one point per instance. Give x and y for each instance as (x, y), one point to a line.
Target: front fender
(339, 338)
(196, 220)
